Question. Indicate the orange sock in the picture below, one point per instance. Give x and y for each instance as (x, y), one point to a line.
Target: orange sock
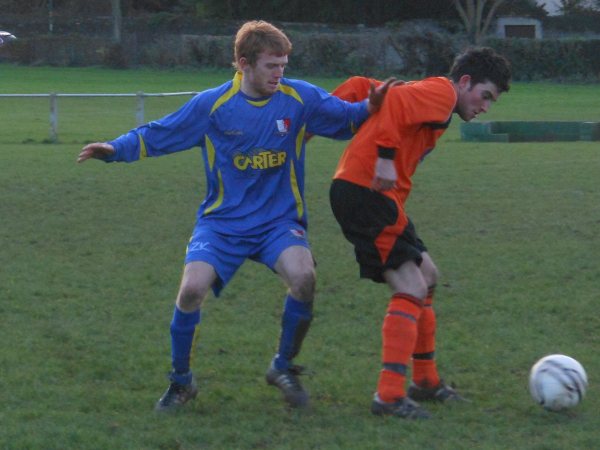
(425, 372)
(399, 333)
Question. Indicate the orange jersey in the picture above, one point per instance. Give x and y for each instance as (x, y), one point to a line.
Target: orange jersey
(411, 120)
(355, 89)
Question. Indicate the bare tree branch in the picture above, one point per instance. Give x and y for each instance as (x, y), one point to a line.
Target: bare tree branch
(491, 15)
(464, 16)
(476, 16)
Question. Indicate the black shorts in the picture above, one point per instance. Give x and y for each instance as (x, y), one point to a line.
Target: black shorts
(364, 216)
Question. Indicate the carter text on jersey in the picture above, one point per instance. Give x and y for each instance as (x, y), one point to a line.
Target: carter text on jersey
(264, 159)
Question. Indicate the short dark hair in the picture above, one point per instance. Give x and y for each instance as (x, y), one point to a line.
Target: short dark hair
(482, 64)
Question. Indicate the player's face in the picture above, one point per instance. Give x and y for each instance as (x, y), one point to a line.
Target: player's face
(262, 79)
(474, 99)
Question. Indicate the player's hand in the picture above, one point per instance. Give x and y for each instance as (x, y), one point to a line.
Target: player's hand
(385, 175)
(97, 150)
(377, 93)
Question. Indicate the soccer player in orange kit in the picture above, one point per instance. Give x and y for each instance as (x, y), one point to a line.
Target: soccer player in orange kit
(370, 187)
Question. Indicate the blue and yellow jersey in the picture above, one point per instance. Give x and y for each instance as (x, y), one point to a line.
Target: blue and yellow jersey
(253, 149)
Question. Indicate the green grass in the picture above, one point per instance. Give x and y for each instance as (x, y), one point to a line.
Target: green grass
(92, 254)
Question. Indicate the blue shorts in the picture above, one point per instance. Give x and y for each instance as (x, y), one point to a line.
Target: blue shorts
(226, 253)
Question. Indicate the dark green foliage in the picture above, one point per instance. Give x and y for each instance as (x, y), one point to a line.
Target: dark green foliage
(374, 12)
(406, 50)
(411, 50)
(574, 59)
(578, 22)
(114, 57)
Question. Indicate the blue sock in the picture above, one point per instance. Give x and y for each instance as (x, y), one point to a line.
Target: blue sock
(295, 322)
(183, 328)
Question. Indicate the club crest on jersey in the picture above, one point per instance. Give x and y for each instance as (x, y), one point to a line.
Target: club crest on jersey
(283, 125)
(299, 233)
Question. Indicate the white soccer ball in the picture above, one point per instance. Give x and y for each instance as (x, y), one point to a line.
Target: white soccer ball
(557, 382)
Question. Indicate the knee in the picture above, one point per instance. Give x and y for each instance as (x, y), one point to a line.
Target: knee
(190, 296)
(302, 284)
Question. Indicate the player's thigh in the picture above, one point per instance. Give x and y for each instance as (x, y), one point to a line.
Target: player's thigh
(225, 254)
(407, 279)
(429, 269)
(198, 277)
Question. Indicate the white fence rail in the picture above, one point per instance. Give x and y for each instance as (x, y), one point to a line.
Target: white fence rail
(53, 104)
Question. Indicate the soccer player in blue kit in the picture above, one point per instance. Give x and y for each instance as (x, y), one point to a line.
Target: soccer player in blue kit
(251, 132)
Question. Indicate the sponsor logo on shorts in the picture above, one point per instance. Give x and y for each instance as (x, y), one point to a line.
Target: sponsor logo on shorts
(199, 247)
(299, 233)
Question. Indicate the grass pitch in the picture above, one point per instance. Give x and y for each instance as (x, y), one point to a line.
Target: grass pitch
(92, 254)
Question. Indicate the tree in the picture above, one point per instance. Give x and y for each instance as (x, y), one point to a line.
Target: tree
(117, 17)
(476, 16)
(578, 6)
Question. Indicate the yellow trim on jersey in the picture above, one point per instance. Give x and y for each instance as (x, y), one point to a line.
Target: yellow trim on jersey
(143, 149)
(258, 102)
(210, 152)
(296, 190)
(219, 200)
(235, 87)
(300, 141)
(288, 90)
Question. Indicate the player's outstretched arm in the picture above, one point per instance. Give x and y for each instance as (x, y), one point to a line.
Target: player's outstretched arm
(97, 150)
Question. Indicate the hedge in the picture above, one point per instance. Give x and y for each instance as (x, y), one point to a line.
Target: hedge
(559, 60)
(410, 52)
